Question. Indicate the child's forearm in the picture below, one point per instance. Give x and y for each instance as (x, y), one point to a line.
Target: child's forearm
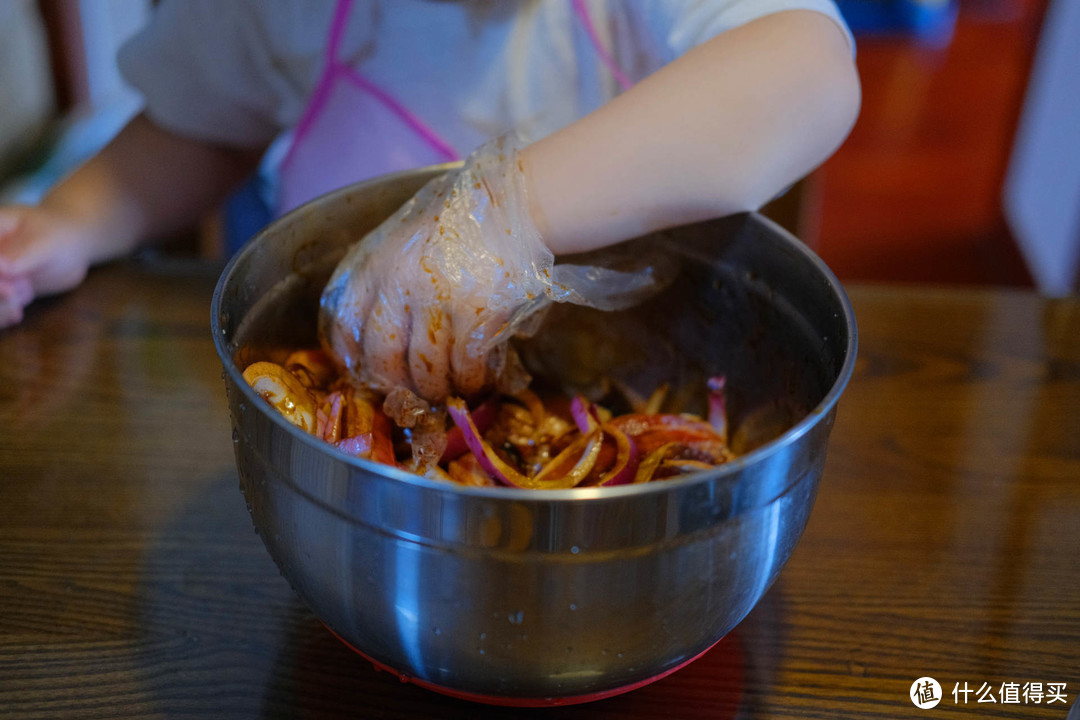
(146, 183)
(720, 130)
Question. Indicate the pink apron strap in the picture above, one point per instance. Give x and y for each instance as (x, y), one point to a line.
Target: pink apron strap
(326, 80)
(332, 67)
(337, 30)
(594, 38)
(418, 126)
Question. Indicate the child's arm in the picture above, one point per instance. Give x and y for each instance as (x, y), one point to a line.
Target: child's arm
(722, 129)
(147, 183)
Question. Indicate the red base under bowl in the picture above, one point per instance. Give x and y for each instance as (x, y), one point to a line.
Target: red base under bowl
(508, 701)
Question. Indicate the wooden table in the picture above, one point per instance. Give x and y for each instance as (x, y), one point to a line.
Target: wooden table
(944, 540)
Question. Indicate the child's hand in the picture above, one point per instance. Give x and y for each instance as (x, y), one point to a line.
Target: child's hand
(428, 299)
(41, 253)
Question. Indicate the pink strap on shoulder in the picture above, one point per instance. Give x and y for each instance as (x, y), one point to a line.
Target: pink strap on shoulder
(605, 57)
(334, 67)
(418, 126)
(326, 80)
(337, 30)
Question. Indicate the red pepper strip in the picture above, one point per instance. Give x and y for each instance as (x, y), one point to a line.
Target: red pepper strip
(555, 475)
(635, 424)
(651, 432)
(708, 445)
(382, 450)
(484, 416)
(717, 409)
(626, 461)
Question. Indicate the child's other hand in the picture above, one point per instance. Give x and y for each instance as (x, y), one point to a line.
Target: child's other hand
(41, 253)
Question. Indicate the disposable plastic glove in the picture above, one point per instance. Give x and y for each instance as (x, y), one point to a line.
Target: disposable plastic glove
(427, 301)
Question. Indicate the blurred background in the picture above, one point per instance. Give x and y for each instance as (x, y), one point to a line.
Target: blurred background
(964, 166)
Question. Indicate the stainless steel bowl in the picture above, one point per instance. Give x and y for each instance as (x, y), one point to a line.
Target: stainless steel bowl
(523, 596)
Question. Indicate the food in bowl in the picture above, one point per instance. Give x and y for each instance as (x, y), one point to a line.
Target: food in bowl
(541, 598)
(524, 440)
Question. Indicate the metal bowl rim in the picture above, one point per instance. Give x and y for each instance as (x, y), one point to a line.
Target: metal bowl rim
(722, 472)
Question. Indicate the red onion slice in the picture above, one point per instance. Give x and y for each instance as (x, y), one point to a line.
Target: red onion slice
(584, 414)
(717, 406)
(626, 459)
(483, 416)
(358, 445)
(556, 475)
(492, 464)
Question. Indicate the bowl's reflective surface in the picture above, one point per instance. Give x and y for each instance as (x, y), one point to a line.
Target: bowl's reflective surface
(511, 593)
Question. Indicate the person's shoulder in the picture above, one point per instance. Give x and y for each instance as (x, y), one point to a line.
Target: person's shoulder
(681, 24)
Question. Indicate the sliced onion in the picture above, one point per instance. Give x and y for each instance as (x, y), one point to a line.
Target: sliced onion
(584, 414)
(375, 444)
(358, 445)
(626, 459)
(533, 403)
(492, 464)
(647, 468)
(284, 391)
(466, 470)
(483, 416)
(656, 400)
(717, 406)
(557, 474)
(330, 418)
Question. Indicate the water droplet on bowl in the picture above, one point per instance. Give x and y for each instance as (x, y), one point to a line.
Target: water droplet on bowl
(236, 436)
(437, 631)
(574, 550)
(573, 606)
(516, 618)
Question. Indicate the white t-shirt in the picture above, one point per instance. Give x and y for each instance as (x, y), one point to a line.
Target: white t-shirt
(240, 72)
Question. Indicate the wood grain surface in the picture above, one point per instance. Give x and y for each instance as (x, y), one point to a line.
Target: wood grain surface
(944, 540)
